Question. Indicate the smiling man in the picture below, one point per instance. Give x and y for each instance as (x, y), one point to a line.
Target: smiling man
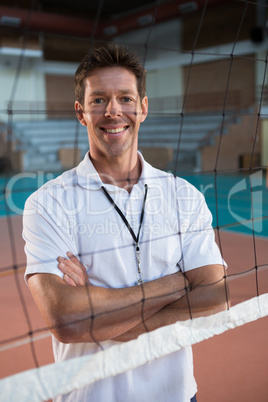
(112, 111)
(92, 285)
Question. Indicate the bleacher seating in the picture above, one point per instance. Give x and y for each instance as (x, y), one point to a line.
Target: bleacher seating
(40, 140)
(184, 134)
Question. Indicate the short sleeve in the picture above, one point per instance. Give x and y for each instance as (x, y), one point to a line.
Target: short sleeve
(46, 238)
(199, 247)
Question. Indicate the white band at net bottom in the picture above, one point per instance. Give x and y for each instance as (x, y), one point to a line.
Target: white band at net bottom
(61, 378)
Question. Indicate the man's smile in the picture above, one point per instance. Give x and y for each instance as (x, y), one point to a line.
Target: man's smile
(117, 130)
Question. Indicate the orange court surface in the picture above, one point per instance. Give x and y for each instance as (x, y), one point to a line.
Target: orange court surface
(231, 367)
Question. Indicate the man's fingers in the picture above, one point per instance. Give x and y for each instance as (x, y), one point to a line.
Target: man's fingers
(68, 280)
(74, 269)
(71, 264)
(76, 261)
(71, 276)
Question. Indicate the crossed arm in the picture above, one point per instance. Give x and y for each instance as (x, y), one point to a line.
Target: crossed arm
(209, 294)
(77, 311)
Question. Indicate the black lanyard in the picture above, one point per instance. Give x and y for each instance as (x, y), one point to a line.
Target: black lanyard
(135, 238)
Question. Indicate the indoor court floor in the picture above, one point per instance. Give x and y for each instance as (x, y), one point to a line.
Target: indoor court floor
(231, 367)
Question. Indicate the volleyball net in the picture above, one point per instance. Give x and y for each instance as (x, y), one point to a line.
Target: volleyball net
(236, 194)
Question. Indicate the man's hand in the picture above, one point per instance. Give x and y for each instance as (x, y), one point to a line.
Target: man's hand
(207, 296)
(77, 311)
(74, 271)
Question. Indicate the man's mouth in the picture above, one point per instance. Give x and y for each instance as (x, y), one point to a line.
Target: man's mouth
(114, 130)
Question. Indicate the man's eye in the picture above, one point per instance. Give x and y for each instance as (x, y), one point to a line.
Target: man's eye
(98, 101)
(126, 99)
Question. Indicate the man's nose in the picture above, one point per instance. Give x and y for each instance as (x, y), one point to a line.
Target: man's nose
(113, 109)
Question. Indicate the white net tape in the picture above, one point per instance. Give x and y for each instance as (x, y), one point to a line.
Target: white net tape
(61, 378)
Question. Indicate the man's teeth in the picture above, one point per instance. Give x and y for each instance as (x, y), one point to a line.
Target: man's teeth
(114, 130)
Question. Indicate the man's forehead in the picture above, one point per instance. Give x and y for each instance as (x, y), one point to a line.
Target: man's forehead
(124, 79)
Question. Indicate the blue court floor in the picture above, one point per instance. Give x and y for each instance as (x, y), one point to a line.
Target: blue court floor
(237, 202)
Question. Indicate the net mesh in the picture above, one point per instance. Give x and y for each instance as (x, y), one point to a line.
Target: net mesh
(236, 197)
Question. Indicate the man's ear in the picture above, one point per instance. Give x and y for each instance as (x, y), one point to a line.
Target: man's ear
(80, 113)
(144, 108)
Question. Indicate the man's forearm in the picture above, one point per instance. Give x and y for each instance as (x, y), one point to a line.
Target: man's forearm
(115, 311)
(203, 300)
(91, 313)
(208, 295)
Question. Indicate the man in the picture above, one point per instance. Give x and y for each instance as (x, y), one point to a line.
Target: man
(139, 243)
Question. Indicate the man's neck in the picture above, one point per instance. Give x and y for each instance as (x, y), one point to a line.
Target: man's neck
(121, 173)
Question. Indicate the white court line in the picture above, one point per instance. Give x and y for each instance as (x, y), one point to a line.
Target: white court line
(237, 275)
(25, 341)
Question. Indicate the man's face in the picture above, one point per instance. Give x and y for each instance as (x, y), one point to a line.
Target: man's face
(112, 112)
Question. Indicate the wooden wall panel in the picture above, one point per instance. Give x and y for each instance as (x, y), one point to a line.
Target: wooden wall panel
(60, 95)
(209, 81)
(220, 25)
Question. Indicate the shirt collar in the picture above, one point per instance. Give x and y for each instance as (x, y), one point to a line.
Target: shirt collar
(87, 175)
(89, 178)
(149, 174)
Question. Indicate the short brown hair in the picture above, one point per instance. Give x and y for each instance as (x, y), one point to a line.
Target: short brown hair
(109, 55)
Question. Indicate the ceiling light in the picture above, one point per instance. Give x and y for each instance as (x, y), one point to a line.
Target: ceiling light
(188, 7)
(109, 31)
(145, 20)
(10, 21)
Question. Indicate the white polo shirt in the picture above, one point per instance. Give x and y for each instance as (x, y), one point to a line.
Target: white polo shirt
(72, 213)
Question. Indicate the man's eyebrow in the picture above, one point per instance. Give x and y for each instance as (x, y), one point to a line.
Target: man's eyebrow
(97, 93)
(102, 93)
(126, 91)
